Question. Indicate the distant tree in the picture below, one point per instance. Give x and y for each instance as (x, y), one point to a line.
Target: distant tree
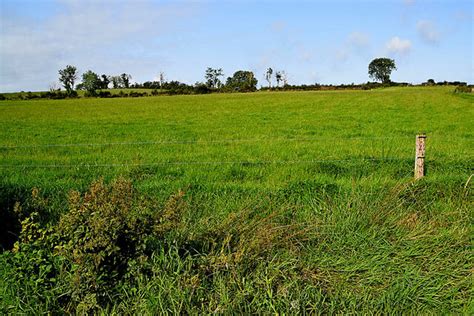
(284, 77)
(162, 79)
(268, 77)
(430, 82)
(90, 82)
(67, 77)
(126, 80)
(213, 77)
(278, 77)
(381, 68)
(116, 82)
(242, 81)
(176, 87)
(104, 84)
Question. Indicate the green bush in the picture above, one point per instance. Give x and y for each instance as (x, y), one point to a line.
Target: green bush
(104, 94)
(103, 239)
(463, 89)
(90, 94)
(135, 94)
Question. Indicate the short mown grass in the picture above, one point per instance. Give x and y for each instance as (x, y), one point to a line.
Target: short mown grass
(291, 202)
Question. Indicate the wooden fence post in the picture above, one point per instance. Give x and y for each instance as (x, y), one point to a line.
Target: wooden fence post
(420, 156)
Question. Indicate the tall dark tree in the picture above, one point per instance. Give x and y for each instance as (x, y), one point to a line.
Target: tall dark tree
(242, 81)
(268, 77)
(380, 69)
(162, 79)
(67, 77)
(104, 83)
(126, 80)
(213, 77)
(278, 77)
(91, 82)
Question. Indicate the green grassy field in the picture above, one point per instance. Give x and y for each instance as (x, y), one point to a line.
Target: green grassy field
(337, 165)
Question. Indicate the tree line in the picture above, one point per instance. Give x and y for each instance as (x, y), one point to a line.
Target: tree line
(240, 81)
(93, 84)
(379, 70)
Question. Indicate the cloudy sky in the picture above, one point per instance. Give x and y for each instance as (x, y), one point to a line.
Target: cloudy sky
(313, 41)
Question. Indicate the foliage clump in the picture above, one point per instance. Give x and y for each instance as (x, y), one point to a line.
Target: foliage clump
(67, 77)
(242, 81)
(463, 89)
(381, 68)
(96, 245)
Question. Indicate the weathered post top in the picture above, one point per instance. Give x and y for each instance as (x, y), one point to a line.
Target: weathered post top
(420, 156)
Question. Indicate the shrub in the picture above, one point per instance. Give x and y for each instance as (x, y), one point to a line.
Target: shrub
(72, 94)
(54, 95)
(104, 238)
(135, 94)
(104, 94)
(201, 89)
(371, 85)
(90, 94)
(463, 89)
(30, 95)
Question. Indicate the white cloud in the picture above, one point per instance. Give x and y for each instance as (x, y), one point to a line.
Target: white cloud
(358, 39)
(90, 35)
(304, 54)
(355, 43)
(396, 45)
(464, 16)
(409, 2)
(342, 54)
(278, 26)
(427, 31)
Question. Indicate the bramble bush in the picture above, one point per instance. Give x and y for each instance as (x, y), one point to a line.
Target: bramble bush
(99, 242)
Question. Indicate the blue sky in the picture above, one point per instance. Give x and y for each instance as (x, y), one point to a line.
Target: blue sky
(312, 41)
